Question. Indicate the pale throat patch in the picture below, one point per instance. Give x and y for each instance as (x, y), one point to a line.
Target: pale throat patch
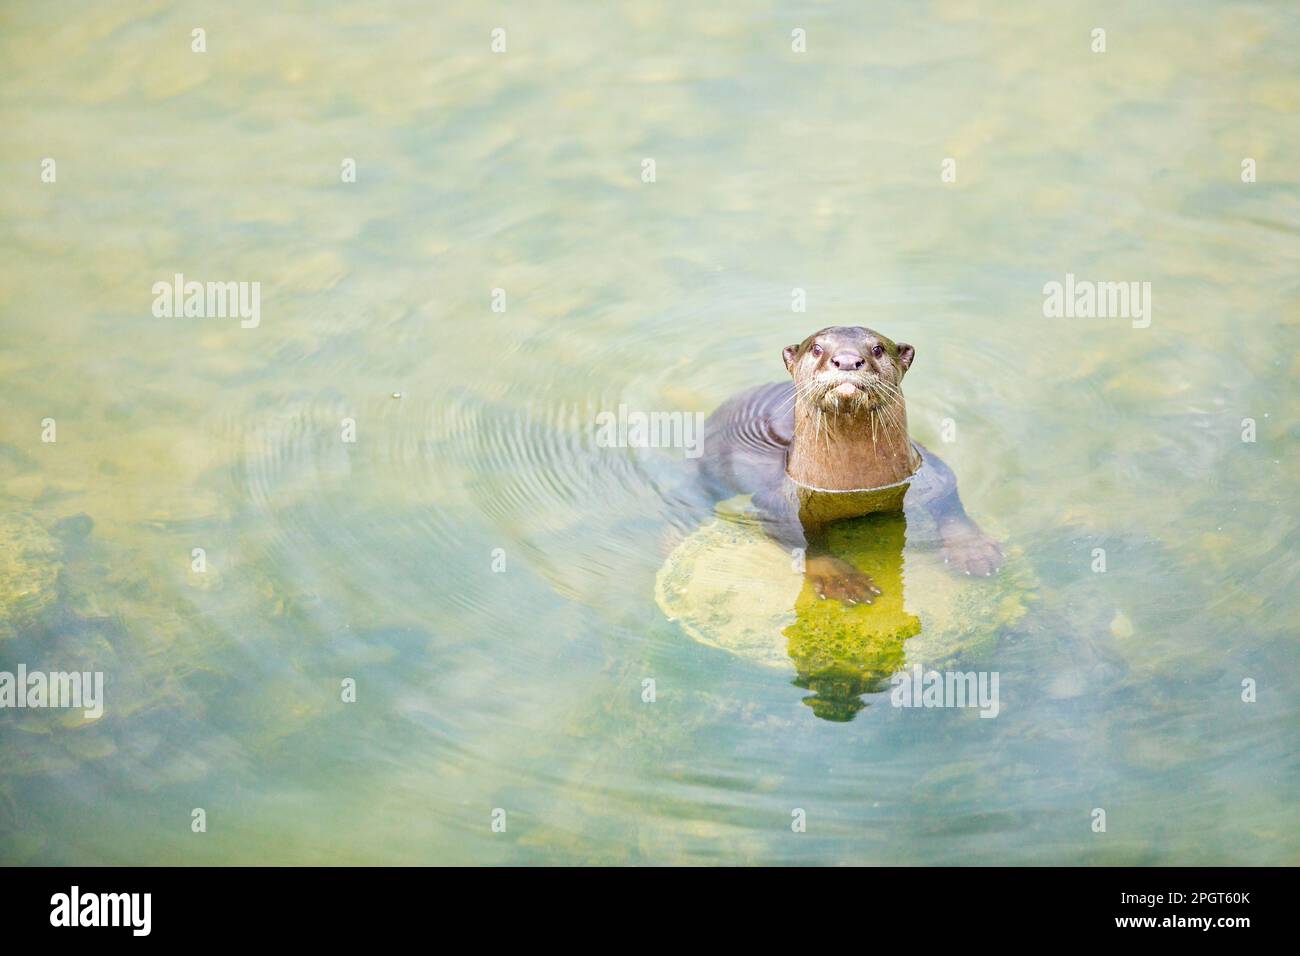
(824, 505)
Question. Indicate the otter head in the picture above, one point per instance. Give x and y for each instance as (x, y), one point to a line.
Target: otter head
(848, 370)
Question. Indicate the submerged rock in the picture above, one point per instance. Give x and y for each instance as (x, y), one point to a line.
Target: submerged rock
(74, 528)
(30, 560)
(729, 586)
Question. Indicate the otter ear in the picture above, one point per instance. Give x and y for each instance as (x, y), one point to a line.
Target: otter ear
(788, 353)
(905, 355)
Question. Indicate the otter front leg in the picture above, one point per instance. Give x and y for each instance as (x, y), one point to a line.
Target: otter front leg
(965, 547)
(832, 577)
(835, 578)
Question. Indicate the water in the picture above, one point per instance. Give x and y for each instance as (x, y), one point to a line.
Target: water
(521, 171)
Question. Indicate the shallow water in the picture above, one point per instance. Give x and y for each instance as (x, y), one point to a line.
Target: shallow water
(521, 689)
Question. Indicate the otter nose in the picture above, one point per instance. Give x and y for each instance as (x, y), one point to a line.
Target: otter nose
(848, 361)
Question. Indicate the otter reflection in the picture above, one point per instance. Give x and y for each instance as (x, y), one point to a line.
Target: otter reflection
(842, 651)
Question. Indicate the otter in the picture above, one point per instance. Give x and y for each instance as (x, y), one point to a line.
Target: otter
(833, 444)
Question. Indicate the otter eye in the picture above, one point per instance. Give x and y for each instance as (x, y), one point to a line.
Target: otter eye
(816, 350)
(878, 351)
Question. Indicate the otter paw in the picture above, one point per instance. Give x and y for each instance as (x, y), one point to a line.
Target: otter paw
(969, 550)
(841, 581)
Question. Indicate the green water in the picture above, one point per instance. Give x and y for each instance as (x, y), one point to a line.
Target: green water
(521, 689)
